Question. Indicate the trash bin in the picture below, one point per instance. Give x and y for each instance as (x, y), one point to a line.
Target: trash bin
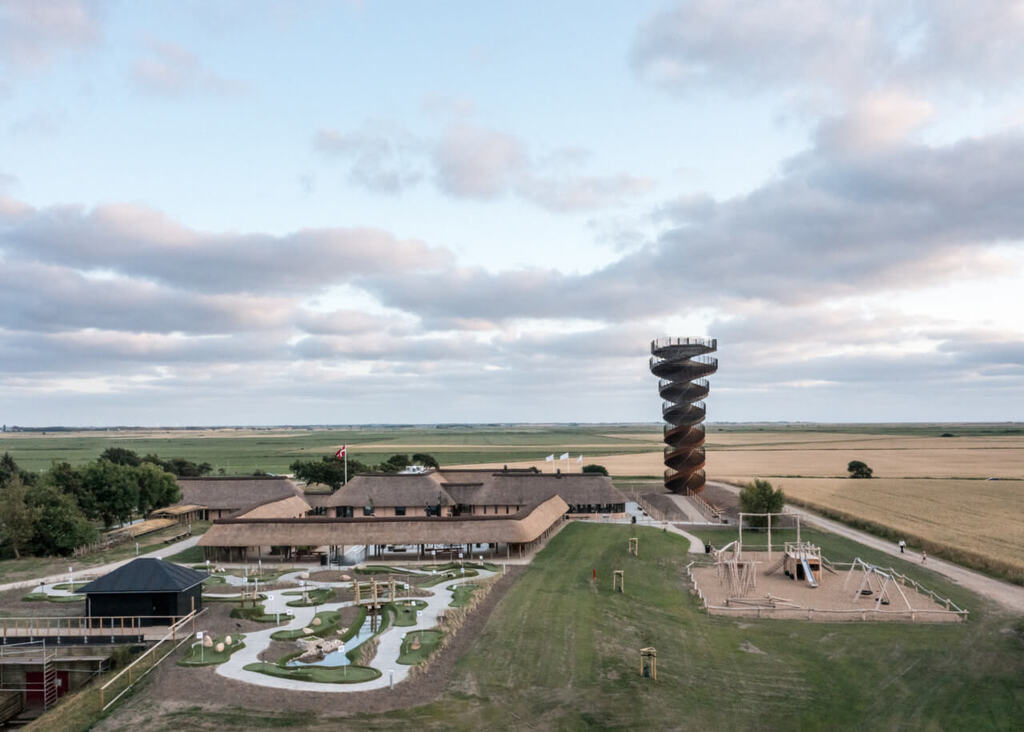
(323, 560)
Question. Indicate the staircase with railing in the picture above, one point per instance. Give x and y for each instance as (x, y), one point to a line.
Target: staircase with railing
(681, 365)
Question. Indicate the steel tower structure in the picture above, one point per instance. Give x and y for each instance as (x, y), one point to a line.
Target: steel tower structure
(681, 365)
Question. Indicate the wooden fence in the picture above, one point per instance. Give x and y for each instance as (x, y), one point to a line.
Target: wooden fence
(179, 633)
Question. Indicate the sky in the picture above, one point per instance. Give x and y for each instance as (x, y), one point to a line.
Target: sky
(264, 213)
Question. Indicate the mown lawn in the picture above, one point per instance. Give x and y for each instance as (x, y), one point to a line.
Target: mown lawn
(562, 652)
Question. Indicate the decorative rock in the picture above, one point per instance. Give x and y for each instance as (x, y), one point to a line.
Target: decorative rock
(307, 631)
(219, 648)
(345, 578)
(317, 621)
(227, 640)
(415, 645)
(207, 641)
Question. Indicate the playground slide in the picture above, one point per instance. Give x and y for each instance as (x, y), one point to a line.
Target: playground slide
(808, 574)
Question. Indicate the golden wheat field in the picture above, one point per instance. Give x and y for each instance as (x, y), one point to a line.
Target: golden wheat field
(979, 516)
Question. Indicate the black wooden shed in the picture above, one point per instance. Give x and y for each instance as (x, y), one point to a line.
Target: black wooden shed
(152, 589)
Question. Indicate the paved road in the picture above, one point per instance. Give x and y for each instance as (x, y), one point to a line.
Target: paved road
(1011, 597)
(101, 569)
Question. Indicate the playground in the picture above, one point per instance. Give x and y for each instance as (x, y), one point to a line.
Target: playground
(794, 580)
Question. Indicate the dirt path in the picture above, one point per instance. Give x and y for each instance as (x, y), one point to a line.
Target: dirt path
(1008, 596)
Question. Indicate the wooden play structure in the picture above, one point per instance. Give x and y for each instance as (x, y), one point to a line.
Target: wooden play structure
(649, 663)
(875, 584)
(634, 546)
(618, 581)
(735, 573)
(801, 561)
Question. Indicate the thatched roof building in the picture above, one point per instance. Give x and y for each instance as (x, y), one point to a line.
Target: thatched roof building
(219, 497)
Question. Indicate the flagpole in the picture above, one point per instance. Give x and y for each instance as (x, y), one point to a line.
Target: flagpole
(346, 464)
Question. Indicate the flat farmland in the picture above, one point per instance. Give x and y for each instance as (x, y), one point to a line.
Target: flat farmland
(980, 517)
(245, 450)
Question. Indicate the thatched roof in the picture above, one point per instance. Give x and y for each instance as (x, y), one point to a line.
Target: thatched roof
(519, 489)
(291, 507)
(522, 527)
(235, 493)
(473, 488)
(391, 489)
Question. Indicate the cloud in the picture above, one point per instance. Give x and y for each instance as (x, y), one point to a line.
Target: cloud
(875, 121)
(140, 242)
(830, 225)
(845, 47)
(33, 34)
(379, 161)
(475, 162)
(172, 71)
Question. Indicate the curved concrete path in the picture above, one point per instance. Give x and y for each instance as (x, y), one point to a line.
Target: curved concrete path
(388, 649)
(1010, 597)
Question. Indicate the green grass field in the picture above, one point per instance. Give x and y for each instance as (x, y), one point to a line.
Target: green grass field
(241, 455)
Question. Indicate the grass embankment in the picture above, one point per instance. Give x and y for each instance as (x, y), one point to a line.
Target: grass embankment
(198, 655)
(461, 594)
(557, 639)
(43, 597)
(428, 642)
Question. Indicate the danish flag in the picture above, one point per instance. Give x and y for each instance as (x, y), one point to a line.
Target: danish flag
(341, 452)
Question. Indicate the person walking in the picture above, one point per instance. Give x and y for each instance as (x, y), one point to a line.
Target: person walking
(902, 545)
(924, 556)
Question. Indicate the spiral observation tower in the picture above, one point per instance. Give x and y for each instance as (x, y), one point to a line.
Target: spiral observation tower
(682, 367)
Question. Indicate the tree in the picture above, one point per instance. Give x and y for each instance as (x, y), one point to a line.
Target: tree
(17, 518)
(599, 469)
(425, 460)
(857, 469)
(179, 466)
(120, 456)
(157, 488)
(60, 526)
(327, 471)
(112, 490)
(758, 496)
(394, 463)
(9, 468)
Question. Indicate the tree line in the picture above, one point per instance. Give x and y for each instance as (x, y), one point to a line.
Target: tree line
(330, 471)
(53, 512)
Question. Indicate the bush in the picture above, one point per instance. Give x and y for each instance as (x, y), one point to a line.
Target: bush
(599, 469)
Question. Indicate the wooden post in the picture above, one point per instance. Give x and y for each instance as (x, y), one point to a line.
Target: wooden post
(769, 537)
(618, 581)
(634, 546)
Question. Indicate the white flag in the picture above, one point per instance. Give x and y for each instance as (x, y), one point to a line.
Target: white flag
(579, 459)
(564, 456)
(550, 458)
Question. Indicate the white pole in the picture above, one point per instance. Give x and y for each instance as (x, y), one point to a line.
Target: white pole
(346, 464)
(769, 537)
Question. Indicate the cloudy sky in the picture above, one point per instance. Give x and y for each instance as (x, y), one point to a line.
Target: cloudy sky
(328, 212)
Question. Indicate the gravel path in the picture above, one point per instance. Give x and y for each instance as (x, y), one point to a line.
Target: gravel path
(1011, 597)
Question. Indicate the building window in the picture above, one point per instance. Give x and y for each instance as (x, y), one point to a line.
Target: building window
(367, 510)
(399, 510)
(506, 509)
